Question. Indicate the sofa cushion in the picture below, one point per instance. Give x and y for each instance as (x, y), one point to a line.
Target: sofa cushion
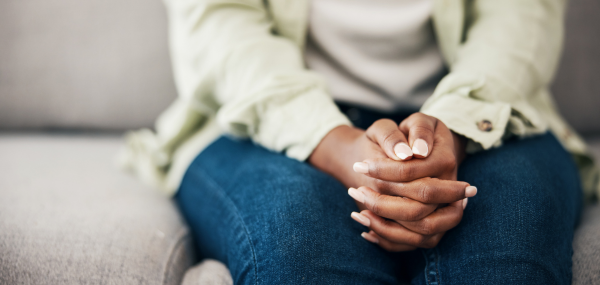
(208, 272)
(577, 87)
(100, 64)
(68, 216)
(586, 246)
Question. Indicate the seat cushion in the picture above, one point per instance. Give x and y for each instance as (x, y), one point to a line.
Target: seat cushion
(68, 216)
(586, 244)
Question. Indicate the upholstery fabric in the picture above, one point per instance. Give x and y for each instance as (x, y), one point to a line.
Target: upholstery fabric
(68, 216)
(208, 272)
(586, 246)
(83, 64)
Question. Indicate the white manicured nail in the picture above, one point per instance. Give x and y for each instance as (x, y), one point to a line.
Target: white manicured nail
(362, 219)
(403, 151)
(369, 237)
(465, 201)
(420, 147)
(470, 191)
(361, 167)
(356, 195)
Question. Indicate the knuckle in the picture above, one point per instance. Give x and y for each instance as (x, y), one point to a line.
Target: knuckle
(419, 240)
(375, 170)
(426, 227)
(416, 115)
(405, 171)
(412, 215)
(377, 125)
(388, 140)
(379, 184)
(375, 129)
(431, 242)
(422, 130)
(377, 205)
(425, 192)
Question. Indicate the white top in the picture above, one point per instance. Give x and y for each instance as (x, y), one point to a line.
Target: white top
(375, 53)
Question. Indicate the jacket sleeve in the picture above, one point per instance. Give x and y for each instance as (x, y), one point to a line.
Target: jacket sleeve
(228, 59)
(508, 55)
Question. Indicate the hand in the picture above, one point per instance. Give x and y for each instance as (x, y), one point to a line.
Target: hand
(345, 145)
(428, 136)
(417, 225)
(408, 224)
(339, 149)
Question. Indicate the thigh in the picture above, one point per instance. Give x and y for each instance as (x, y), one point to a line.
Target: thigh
(274, 220)
(519, 227)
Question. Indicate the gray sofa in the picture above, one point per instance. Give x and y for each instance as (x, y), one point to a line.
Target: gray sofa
(75, 74)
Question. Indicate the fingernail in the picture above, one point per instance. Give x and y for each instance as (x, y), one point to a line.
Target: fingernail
(362, 219)
(356, 195)
(403, 151)
(361, 167)
(465, 201)
(470, 191)
(369, 237)
(420, 147)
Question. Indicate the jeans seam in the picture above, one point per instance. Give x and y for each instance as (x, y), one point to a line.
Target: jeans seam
(237, 213)
(431, 270)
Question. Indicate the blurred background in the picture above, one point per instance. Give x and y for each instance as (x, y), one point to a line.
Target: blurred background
(104, 65)
(94, 65)
(74, 75)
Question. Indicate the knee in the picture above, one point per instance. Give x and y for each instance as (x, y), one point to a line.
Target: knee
(306, 213)
(521, 193)
(525, 197)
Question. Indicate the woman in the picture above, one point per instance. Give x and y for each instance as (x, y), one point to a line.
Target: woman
(402, 160)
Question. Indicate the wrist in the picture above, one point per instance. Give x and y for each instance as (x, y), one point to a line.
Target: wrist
(336, 153)
(460, 145)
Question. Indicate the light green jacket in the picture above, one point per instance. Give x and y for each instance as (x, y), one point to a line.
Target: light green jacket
(239, 70)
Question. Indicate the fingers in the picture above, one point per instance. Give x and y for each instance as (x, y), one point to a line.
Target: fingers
(385, 132)
(390, 234)
(408, 235)
(428, 190)
(385, 244)
(420, 129)
(391, 207)
(441, 220)
(389, 170)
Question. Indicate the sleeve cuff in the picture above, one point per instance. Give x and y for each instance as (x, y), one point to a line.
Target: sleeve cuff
(483, 123)
(293, 124)
(302, 123)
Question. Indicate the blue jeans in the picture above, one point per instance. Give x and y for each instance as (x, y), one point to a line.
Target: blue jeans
(274, 220)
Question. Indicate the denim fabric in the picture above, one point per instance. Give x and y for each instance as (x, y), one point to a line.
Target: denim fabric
(274, 220)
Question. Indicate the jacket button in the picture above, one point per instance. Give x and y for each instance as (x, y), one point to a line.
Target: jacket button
(485, 126)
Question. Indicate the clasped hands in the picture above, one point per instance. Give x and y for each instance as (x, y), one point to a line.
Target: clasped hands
(403, 178)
